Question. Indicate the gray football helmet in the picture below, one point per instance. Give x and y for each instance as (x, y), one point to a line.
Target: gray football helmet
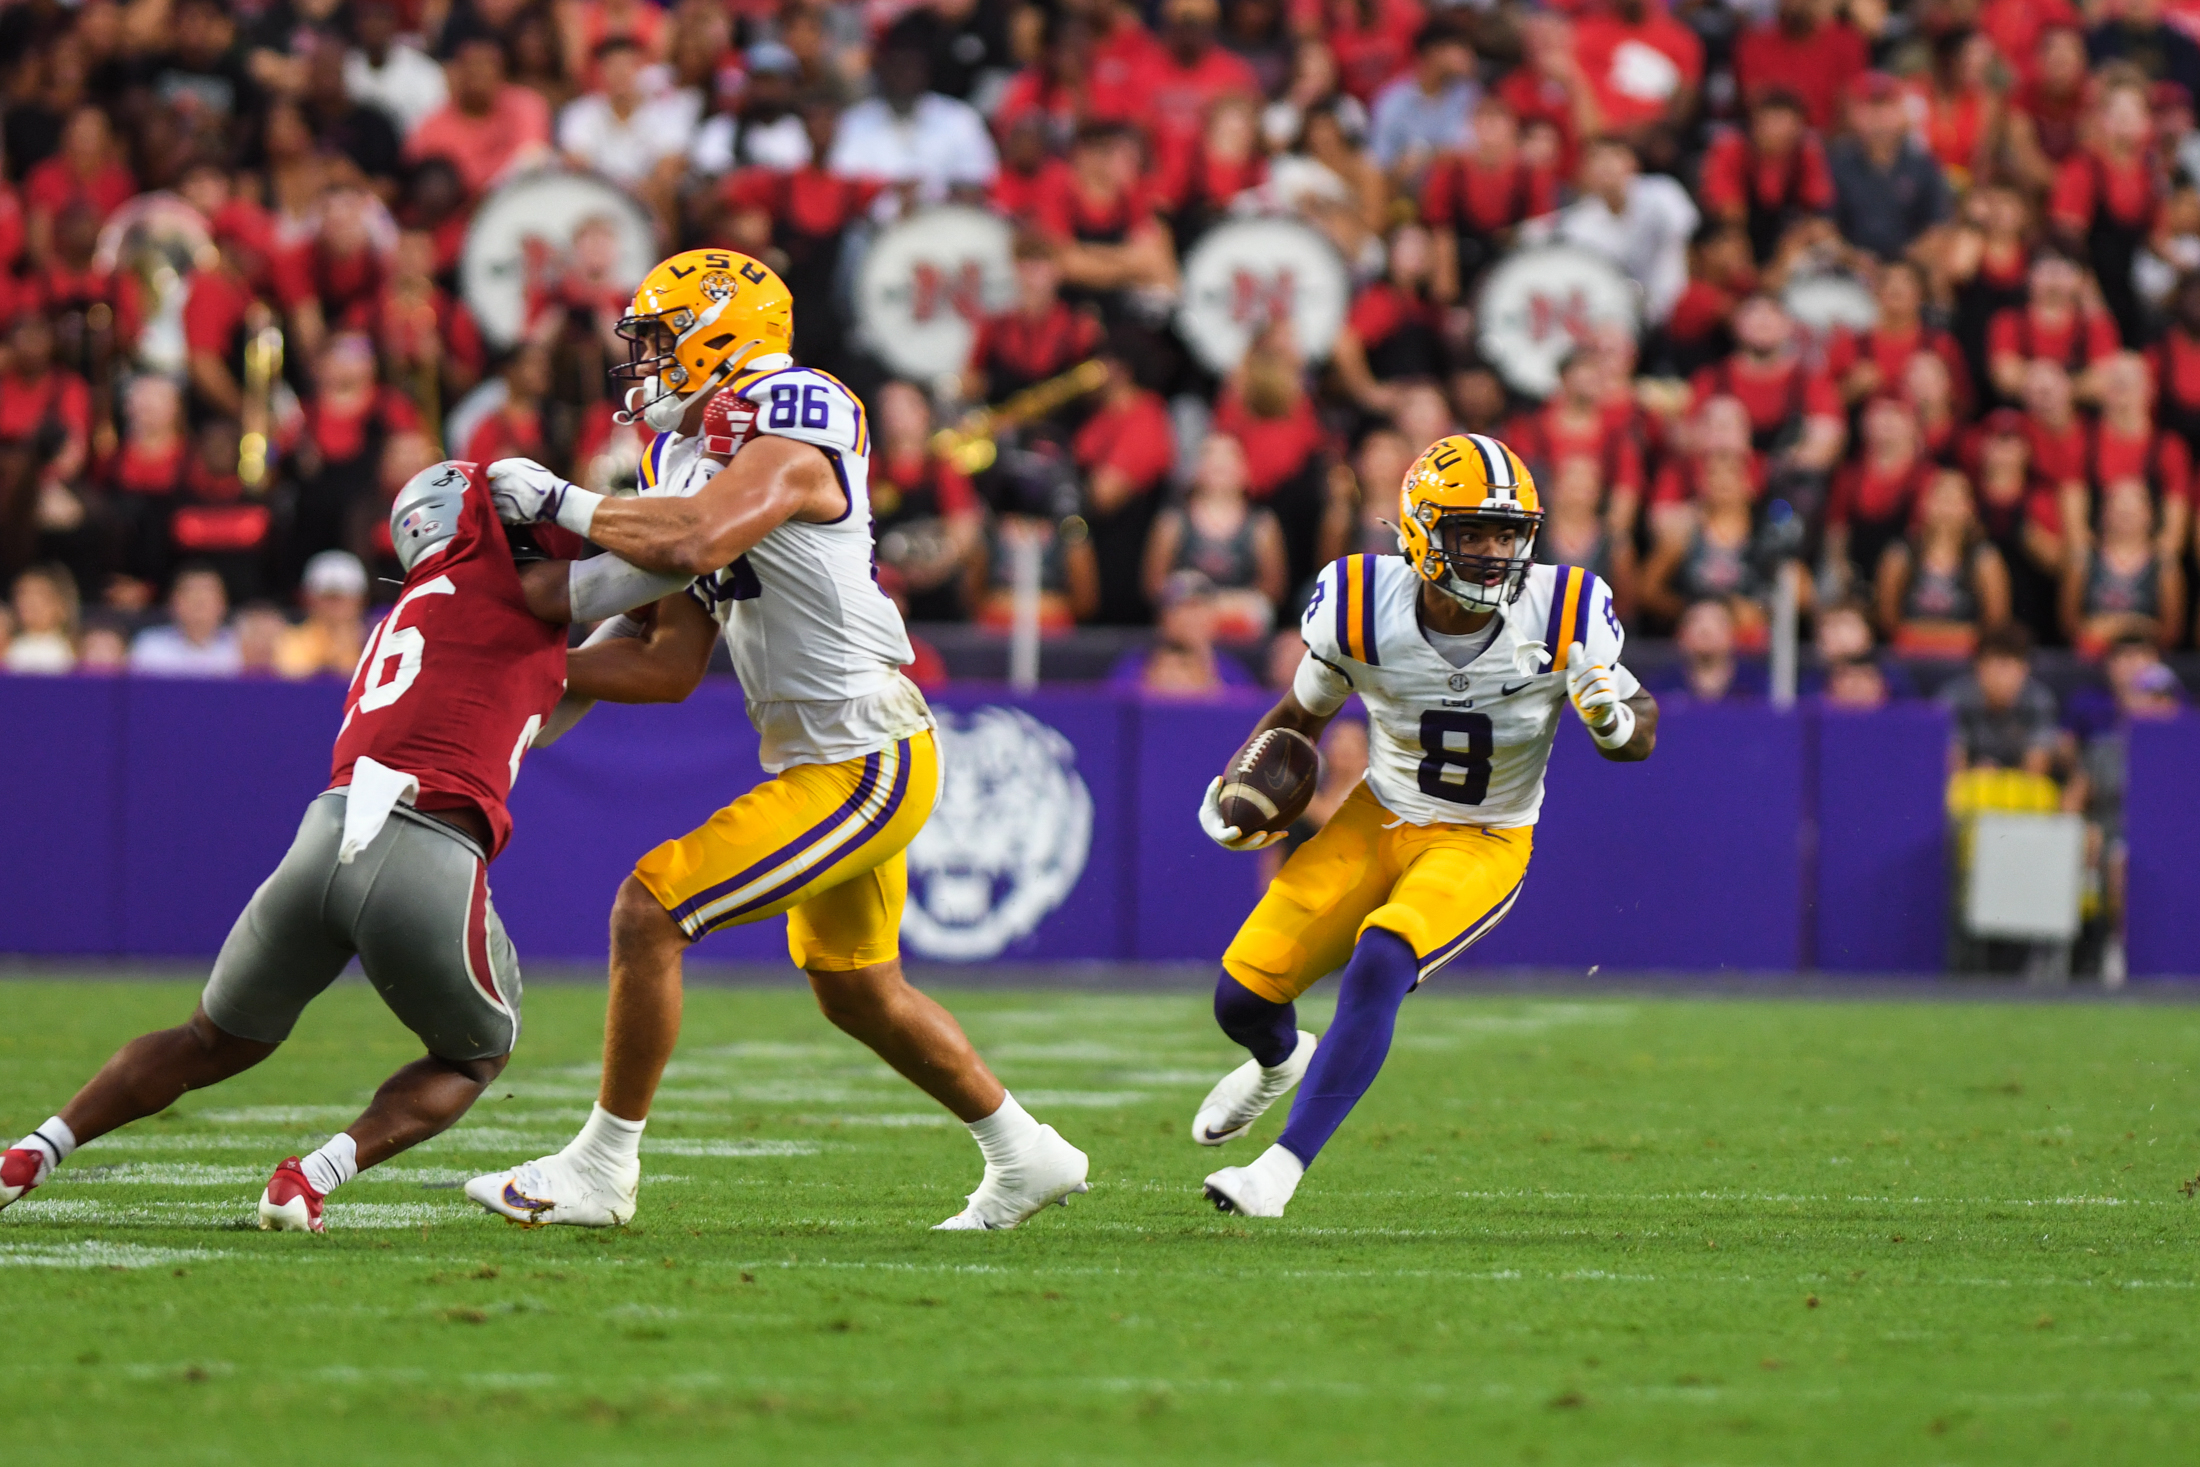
(425, 512)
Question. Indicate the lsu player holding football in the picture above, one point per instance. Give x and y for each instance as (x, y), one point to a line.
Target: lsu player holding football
(1462, 649)
(755, 489)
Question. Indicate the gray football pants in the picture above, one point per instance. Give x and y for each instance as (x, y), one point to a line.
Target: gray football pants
(414, 906)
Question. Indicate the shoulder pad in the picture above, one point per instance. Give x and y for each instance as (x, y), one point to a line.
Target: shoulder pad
(1339, 621)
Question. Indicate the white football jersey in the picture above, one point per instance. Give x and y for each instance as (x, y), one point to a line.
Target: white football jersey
(1453, 745)
(817, 645)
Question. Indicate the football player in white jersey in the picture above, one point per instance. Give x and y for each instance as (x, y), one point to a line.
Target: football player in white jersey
(755, 490)
(1463, 651)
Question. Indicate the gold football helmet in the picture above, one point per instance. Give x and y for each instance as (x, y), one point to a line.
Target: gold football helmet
(697, 319)
(1469, 479)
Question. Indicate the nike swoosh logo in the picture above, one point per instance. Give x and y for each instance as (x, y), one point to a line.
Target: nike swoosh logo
(1516, 687)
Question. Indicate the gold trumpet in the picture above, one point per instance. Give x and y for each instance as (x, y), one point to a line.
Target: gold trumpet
(970, 446)
(263, 368)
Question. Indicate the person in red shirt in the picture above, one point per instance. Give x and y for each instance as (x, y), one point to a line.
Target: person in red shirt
(2175, 360)
(1053, 90)
(2106, 197)
(1771, 180)
(1042, 337)
(925, 516)
(1722, 273)
(88, 169)
(515, 429)
(1813, 57)
(1169, 90)
(2127, 446)
(2010, 497)
(1646, 70)
(1928, 386)
(1121, 45)
(1371, 40)
(2016, 28)
(2061, 455)
(1475, 200)
(1124, 452)
(390, 863)
(1549, 88)
(336, 460)
(1961, 106)
(1101, 216)
(2048, 108)
(1199, 180)
(143, 476)
(1794, 410)
(802, 215)
(224, 302)
(1875, 495)
(1266, 406)
(429, 342)
(1394, 331)
(489, 125)
(1868, 363)
(1025, 162)
(1572, 426)
(45, 431)
(2054, 324)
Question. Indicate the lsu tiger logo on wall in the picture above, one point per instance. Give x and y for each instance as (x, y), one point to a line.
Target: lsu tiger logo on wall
(1007, 842)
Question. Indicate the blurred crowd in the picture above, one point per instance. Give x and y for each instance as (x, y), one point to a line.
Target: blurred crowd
(231, 238)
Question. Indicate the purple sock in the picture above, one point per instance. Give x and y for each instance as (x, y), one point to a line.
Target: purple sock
(1375, 982)
(1269, 1030)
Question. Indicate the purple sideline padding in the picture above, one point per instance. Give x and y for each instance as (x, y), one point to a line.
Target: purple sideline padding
(1882, 887)
(623, 781)
(215, 777)
(1688, 861)
(61, 812)
(1189, 893)
(160, 805)
(1095, 923)
(2162, 935)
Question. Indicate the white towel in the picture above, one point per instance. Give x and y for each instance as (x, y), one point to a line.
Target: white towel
(376, 789)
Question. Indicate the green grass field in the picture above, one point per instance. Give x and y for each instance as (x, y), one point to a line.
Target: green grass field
(1604, 1230)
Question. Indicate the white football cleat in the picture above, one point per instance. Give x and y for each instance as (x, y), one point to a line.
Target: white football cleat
(1262, 1189)
(290, 1205)
(554, 1189)
(1244, 1095)
(1048, 1172)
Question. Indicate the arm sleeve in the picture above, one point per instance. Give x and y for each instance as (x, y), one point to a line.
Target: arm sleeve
(1320, 688)
(605, 585)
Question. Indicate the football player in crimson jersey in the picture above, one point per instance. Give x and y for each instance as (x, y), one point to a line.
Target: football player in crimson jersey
(391, 862)
(1463, 650)
(757, 487)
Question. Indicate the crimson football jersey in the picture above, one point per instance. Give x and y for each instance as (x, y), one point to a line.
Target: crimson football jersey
(456, 680)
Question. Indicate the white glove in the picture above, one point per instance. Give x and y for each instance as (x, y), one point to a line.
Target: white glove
(1226, 836)
(1595, 695)
(526, 493)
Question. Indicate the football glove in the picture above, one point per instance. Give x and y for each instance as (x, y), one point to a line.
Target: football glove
(526, 493)
(1227, 836)
(1595, 695)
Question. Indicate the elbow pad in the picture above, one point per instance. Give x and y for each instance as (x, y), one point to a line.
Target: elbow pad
(606, 585)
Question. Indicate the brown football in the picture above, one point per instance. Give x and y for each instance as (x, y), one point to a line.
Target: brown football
(1269, 782)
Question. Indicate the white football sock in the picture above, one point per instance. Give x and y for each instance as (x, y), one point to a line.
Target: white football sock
(1280, 1169)
(333, 1165)
(607, 1145)
(54, 1141)
(1003, 1135)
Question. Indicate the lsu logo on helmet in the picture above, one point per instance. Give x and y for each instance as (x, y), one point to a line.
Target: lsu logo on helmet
(697, 319)
(1469, 483)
